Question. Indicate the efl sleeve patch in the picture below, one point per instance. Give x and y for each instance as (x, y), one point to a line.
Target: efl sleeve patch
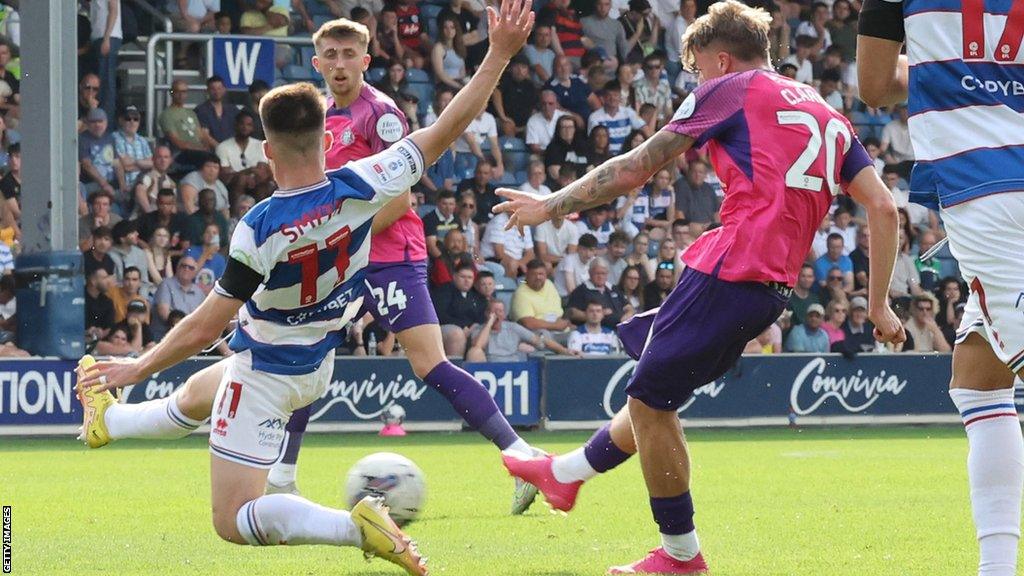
(392, 171)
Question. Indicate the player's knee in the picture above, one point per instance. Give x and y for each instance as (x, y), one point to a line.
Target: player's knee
(643, 416)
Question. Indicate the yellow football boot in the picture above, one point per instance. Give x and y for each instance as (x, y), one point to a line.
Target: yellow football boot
(94, 405)
(382, 538)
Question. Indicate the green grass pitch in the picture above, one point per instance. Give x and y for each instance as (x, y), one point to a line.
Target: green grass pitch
(856, 501)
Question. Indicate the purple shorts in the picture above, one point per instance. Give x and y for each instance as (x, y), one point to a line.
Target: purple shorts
(696, 335)
(397, 295)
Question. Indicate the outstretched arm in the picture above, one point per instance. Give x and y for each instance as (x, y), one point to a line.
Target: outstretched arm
(509, 30)
(615, 177)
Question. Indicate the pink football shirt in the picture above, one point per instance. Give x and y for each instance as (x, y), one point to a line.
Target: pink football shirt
(369, 125)
(781, 153)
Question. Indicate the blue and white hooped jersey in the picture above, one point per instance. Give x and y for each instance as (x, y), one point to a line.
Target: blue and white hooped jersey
(311, 246)
(966, 98)
(604, 342)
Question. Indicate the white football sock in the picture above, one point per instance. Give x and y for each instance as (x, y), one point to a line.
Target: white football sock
(522, 447)
(292, 520)
(573, 467)
(282, 474)
(155, 419)
(681, 546)
(995, 469)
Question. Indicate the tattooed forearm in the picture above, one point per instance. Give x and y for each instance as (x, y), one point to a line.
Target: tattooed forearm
(618, 175)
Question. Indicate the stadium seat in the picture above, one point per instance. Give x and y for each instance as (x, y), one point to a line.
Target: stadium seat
(503, 282)
(316, 8)
(428, 15)
(295, 72)
(374, 75)
(515, 154)
(505, 296)
(320, 19)
(424, 209)
(424, 91)
(306, 55)
(417, 75)
(465, 165)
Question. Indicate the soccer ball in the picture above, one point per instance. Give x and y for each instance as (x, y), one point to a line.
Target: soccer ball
(392, 476)
(392, 415)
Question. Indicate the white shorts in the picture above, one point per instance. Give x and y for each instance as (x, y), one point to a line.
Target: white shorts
(247, 425)
(986, 237)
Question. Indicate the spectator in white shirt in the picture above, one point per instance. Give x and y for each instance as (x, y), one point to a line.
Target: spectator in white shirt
(507, 247)
(572, 270)
(554, 240)
(815, 27)
(540, 128)
(535, 179)
(591, 338)
(802, 59)
(483, 128)
(207, 176)
(243, 165)
(844, 226)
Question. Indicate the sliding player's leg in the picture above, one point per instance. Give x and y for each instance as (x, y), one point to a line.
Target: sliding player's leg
(168, 418)
(282, 477)
(247, 437)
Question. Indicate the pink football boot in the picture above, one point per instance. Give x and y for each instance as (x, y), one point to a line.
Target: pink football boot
(659, 562)
(537, 471)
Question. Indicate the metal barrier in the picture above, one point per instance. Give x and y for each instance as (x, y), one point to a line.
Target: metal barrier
(152, 86)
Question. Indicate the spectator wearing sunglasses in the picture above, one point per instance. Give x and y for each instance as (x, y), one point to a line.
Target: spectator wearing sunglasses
(179, 292)
(834, 258)
(88, 98)
(923, 333)
(243, 165)
(133, 151)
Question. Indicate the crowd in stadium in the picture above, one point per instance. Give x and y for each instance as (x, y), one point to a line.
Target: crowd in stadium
(596, 79)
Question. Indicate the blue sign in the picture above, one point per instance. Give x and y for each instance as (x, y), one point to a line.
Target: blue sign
(41, 392)
(767, 387)
(240, 61)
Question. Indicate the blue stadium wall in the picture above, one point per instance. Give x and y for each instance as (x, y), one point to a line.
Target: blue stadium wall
(37, 396)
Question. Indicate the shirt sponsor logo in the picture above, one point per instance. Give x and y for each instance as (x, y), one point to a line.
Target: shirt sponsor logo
(1004, 87)
(389, 128)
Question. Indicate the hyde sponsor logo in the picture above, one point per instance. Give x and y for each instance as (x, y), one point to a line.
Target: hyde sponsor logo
(855, 392)
(367, 398)
(614, 391)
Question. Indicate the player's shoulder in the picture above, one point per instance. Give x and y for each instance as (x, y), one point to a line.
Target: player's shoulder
(379, 101)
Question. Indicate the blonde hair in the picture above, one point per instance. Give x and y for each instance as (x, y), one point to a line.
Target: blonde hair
(293, 118)
(742, 31)
(343, 29)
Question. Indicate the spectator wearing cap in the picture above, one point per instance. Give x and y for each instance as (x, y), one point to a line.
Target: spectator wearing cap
(133, 151)
(99, 310)
(180, 126)
(97, 155)
(618, 119)
(100, 214)
(507, 247)
(498, 340)
(121, 294)
(554, 240)
(151, 182)
(516, 96)
(215, 115)
(834, 258)
(243, 165)
(597, 287)
(439, 221)
(801, 58)
(98, 253)
(125, 252)
(607, 34)
(652, 88)
(923, 333)
(179, 292)
(130, 336)
(858, 330)
(536, 303)
(106, 36)
(593, 337)
(540, 128)
(483, 189)
(595, 221)
(206, 176)
(573, 270)
(809, 336)
(166, 216)
(540, 55)
(573, 92)
(459, 308)
(658, 289)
